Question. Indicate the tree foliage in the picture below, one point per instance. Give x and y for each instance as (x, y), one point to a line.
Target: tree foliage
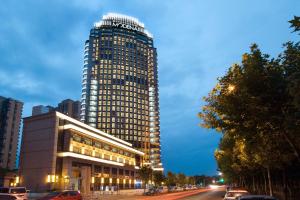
(295, 23)
(171, 179)
(158, 178)
(256, 107)
(180, 179)
(145, 174)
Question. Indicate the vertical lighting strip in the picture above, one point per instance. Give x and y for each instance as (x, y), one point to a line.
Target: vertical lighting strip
(152, 114)
(84, 82)
(93, 103)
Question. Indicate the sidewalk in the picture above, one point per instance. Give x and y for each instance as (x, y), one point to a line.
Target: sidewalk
(121, 194)
(112, 197)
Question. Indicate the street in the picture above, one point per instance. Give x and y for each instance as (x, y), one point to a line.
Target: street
(201, 194)
(209, 195)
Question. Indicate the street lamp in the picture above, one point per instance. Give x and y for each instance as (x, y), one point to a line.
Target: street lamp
(231, 88)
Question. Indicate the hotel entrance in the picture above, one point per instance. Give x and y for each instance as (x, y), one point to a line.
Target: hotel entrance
(80, 178)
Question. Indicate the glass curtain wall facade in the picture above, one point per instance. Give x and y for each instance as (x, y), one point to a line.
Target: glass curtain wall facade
(120, 84)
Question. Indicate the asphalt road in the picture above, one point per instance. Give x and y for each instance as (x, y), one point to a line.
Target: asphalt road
(217, 194)
(200, 194)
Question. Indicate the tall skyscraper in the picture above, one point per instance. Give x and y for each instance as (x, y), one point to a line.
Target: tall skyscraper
(10, 119)
(120, 84)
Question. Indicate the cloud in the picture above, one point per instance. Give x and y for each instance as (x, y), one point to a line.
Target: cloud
(20, 81)
(91, 5)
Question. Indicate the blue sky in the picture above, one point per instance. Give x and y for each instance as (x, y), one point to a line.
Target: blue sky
(41, 56)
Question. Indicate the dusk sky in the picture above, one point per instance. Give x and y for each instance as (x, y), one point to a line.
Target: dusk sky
(42, 44)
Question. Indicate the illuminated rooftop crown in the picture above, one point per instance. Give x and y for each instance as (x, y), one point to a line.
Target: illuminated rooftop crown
(123, 21)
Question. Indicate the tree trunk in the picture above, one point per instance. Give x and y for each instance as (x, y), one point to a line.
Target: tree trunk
(284, 184)
(270, 182)
(265, 182)
(243, 182)
(293, 147)
(253, 184)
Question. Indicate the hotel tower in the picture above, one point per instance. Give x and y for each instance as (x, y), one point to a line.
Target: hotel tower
(120, 84)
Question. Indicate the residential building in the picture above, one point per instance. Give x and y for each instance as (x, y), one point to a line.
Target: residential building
(70, 108)
(59, 152)
(120, 84)
(10, 119)
(41, 109)
(67, 106)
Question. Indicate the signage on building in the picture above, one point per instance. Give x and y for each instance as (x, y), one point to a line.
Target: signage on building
(126, 26)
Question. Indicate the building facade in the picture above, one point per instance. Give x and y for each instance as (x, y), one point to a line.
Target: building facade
(68, 107)
(120, 84)
(41, 109)
(10, 119)
(59, 152)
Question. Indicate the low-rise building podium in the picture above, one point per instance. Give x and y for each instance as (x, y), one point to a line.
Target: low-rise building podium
(59, 153)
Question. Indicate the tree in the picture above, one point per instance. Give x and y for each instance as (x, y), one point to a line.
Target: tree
(158, 178)
(295, 23)
(191, 180)
(202, 180)
(171, 179)
(256, 108)
(181, 179)
(145, 174)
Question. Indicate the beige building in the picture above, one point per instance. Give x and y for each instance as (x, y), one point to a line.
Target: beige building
(10, 119)
(59, 152)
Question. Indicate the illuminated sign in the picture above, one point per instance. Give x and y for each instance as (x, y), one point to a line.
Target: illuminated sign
(126, 26)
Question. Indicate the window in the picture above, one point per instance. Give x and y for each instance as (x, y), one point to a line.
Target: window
(88, 152)
(114, 171)
(97, 154)
(87, 141)
(97, 169)
(76, 138)
(76, 149)
(97, 144)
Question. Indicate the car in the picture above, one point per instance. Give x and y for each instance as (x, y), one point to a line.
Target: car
(256, 197)
(233, 194)
(64, 195)
(18, 192)
(7, 197)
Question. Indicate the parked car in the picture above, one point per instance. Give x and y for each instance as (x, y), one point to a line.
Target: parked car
(65, 195)
(172, 188)
(7, 197)
(233, 194)
(18, 192)
(256, 197)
